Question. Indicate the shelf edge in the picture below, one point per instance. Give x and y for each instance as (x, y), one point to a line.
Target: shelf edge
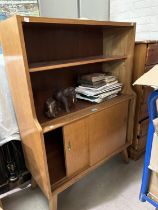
(77, 63)
(48, 126)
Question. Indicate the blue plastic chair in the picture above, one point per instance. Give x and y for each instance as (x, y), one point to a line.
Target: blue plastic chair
(152, 110)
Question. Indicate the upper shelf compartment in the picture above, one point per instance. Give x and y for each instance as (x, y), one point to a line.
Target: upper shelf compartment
(54, 46)
(42, 66)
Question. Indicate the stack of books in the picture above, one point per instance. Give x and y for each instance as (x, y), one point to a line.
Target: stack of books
(97, 87)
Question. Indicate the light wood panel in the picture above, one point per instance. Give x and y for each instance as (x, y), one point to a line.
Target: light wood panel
(76, 146)
(75, 22)
(18, 75)
(107, 131)
(53, 202)
(121, 42)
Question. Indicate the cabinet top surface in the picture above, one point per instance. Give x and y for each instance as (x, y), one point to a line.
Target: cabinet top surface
(29, 19)
(147, 42)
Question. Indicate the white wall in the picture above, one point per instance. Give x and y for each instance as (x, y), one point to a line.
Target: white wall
(58, 8)
(143, 12)
(94, 9)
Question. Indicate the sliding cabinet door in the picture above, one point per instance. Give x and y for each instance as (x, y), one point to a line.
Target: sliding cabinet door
(107, 131)
(76, 146)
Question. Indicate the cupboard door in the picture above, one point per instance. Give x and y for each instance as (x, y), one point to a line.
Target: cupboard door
(76, 146)
(107, 131)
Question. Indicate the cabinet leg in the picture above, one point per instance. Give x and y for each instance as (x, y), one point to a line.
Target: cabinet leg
(33, 183)
(53, 201)
(125, 156)
(1, 207)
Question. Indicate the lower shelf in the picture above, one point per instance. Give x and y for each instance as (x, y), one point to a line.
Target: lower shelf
(81, 109)
(55, 155)
(68, 181)
(76, 144)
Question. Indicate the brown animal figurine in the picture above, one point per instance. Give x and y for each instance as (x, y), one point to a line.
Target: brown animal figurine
(67, 98)
(61, 98)
(51, 108)
(70, 95)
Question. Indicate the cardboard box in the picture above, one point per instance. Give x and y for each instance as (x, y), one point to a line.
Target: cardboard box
(156, 125)
(154, 154)
(150, 78)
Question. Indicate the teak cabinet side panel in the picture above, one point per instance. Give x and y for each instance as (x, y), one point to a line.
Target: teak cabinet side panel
(120, 41)
(19, 81)
(76, 146)
(107, 131)
(116, 42)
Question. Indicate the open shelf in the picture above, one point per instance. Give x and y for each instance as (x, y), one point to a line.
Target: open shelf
(42, 66)
(81, 109)
(55, 155)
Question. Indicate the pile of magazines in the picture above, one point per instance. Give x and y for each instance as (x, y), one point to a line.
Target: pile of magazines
(97, 87)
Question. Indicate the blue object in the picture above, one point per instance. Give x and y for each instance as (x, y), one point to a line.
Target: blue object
(146, 173)
(0, 50)
(2, 16)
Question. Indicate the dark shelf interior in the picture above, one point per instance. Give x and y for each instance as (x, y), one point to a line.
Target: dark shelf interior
(55, 155)
(53, 43)
(48, 83)
(59, 46)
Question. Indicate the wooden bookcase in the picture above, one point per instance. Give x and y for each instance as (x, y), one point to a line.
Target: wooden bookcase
(44, 55)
